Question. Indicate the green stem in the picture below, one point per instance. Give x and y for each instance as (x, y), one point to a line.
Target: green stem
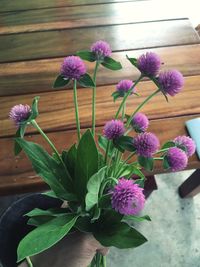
(140, 106)
(127, 159)
(35, 125)
(162, 150)
(126, 96)
(123, 111)
(158, 158)
(76, 111)
(29, 262)
(104, 261)
(107, 150)
(94, 99)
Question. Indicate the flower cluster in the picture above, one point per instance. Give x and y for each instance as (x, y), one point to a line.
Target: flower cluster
(73, 68)
(101, 49)
(20, 113)
(140, 122)
(114, 129)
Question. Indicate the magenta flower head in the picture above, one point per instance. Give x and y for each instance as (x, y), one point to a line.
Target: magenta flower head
(101, 49)
(146, 144)
(113, 129)
(127, 197)
(73, 68)
(176, 158)
(149, 64)
(20, 113)
(140, 122)
(187, 142)
(171, 82)
(123, 86)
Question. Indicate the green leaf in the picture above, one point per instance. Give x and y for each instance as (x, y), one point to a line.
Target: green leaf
(83, 224)
(133, 61)
(52, 172)
(105, 202)
(136, 218)
(166, 165)
(60, 81)
(17, 147)
(50, 194)
(39, 220)
(145, 162)
(86, 55)
(116, 95)
(111, 64)
(50, 212)
(102, 141)
(45, 236)
(120, 235)
(86, 164)
(86, 81)
(137, 172)
(69, 158)
(168, 144)
(123, 143)
(93, 187)
(34, 109)
(140, 182)
(96, 214)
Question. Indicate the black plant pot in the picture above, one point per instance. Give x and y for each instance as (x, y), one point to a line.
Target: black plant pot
(13, 225)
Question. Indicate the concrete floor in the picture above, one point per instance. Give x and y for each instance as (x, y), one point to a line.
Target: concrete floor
(173, 234)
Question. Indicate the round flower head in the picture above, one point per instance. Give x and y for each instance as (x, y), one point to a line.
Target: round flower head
(19, 113)
(176, 158)
(101, 49)
(127, 197)
(123, 86)
(146, 144)
(171, 82)
(187, 142)
(73, 67)
(149, 64)
(140, 122)
(113, 129)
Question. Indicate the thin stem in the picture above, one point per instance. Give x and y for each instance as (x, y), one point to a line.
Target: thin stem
(76, 111)
(162, 150)
(140, 106)
(126, 96)
(104, 261)
(29, 262)
(129, 157)
(159, 158)
(94, 99)
(35, 125)
(123, 111)
(107, 151)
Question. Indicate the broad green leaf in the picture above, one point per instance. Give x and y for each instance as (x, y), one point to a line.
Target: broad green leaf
(60, 82)
(93, 187)
(86, 81)
(119, 235)
(86, 164)
(52, 172)
(39, 220)
(111, 64)
(146, 163)
(133, 61)
(102, 141)
(45, 236)
(50, 194)
(86, 55)
(136, 218)
(123, 143)
(69, 158)
(50, 212)
(166, 165)
(168, 144)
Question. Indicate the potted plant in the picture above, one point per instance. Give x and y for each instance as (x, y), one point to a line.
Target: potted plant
(96, 177)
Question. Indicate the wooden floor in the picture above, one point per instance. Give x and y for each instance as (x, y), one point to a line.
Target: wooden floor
(36, 35)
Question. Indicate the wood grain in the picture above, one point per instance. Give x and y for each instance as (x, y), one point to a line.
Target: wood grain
(10, 5)
(38, 75)
(37, 45)
(94, 15)
(57, 109)
(16, 173)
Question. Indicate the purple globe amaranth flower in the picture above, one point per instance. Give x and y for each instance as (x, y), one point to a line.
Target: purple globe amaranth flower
(140, 122)
(176, 158)
(146, 144)
(124, 85)
(101, 49)
(187, 142)
(127, 197)
(171, 82)
(113, 129)
(149, 64)
(20, 113)
(73, 68)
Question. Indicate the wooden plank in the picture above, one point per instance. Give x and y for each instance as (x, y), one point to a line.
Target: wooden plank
(10, 5)
(37, 76)
(57, 109)
(16, 173)
(37, 45)
(73, 17)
